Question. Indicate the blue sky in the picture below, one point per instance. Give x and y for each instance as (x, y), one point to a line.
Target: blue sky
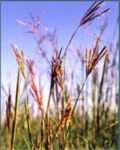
(62, 15)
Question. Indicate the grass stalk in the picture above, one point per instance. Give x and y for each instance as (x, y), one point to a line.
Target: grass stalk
(28, 123)
(100, 94)
(15, 113)
(77, 99)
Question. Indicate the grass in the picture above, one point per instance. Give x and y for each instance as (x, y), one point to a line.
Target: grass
(67, 125)
(15, 114)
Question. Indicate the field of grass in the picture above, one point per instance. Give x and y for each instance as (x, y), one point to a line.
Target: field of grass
(68, 121)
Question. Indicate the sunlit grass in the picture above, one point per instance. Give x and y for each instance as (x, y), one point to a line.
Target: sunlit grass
(65, 126)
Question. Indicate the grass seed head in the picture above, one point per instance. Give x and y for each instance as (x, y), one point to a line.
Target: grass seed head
(66, 118)
(57, 70)
(93, 12)
(19, 58)
(36, 90)
(92, 58)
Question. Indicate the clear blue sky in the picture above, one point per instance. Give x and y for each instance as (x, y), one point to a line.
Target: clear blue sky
(63, 15)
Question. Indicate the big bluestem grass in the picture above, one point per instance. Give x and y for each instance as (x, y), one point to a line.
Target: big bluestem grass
(63, 124)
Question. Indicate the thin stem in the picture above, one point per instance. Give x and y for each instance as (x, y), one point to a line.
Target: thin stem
(99, 98)
(28, 123)
(50, 93)
(75, 104)
(15, 115)
(70, 40)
